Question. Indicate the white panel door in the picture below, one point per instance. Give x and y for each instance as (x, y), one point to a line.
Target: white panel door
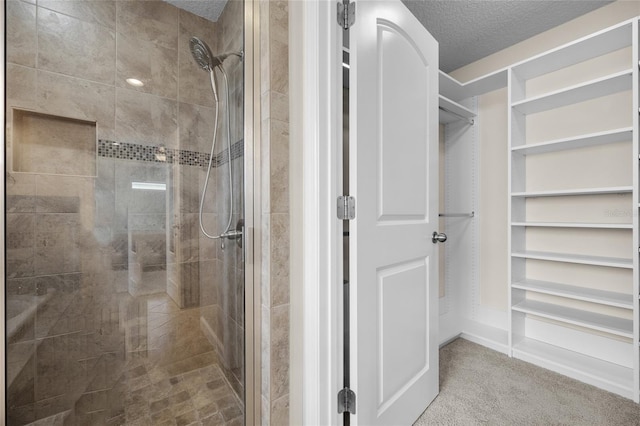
(394, 171)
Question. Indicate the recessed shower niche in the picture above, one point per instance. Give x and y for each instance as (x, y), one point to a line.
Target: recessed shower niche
(51, 144)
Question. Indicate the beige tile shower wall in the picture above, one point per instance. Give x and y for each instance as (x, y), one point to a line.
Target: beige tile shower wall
(84, 51)
(102, 44)
(51, 144)
(229, 310)
(70, 58)
(590, 116)
(274, 54)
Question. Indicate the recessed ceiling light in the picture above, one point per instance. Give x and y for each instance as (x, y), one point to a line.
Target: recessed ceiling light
(135, 82)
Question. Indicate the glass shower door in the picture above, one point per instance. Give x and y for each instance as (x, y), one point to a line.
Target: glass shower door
(119, 310)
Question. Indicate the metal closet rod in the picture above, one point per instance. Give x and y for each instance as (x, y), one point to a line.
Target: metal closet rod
(472, 214)
(467, 119)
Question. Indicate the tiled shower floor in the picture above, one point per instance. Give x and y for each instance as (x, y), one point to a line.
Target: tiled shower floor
(174, 382)
(169, 375)
(199, 397)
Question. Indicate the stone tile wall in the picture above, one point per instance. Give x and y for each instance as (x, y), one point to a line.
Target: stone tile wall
(274, 51)
(76, 244)
(230, 309)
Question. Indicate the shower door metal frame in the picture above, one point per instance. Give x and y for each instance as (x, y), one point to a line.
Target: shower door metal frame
(252, 203)
(3, 407)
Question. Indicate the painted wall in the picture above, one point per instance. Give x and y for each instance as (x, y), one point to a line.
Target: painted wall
(492, 118)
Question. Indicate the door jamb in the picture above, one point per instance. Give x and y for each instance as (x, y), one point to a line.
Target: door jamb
(315, 44)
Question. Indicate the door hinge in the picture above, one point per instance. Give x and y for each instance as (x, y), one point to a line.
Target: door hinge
(346, 401)
(346, 207)
(346, 14)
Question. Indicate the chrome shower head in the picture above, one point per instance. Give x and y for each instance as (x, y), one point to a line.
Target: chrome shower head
(202, 54)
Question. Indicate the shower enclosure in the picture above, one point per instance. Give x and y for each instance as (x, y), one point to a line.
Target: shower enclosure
(118, 309)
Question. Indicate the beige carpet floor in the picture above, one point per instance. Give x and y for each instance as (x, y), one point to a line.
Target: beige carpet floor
(479, 386)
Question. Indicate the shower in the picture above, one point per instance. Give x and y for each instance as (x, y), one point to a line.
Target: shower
(208, 62)
(130, 314)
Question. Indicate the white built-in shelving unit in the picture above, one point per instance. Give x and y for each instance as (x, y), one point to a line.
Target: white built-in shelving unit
(452, 92)
(451, 111)
(580, 141)
(589, 332)
(456, 91)
(574, 289)
(599, 87)
(458, 118)
(458, 308)
(609, 262)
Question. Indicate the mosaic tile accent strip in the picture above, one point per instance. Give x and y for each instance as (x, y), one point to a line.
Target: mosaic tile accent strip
(159, 154)
(237, 150)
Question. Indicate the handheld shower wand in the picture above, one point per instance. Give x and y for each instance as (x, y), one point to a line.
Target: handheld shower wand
(208, 62)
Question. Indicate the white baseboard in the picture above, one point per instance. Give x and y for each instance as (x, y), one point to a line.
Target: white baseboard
(448, 328)
(485, 335)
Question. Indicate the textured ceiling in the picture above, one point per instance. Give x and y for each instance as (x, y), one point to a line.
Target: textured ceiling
(468, 30)
(208, 9)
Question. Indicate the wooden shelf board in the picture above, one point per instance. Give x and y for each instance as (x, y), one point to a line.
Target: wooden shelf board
(452, 111)
(582, 141)
(574, 225)
(612, 262)
(600, 43)
(572, 192)
(455, 107)
(456, 91)
(445, 117)
(609, 298)
(618, 377)
(607, 85)
(604, 323)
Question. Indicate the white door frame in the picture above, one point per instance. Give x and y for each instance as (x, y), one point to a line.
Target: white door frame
(315, 41)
